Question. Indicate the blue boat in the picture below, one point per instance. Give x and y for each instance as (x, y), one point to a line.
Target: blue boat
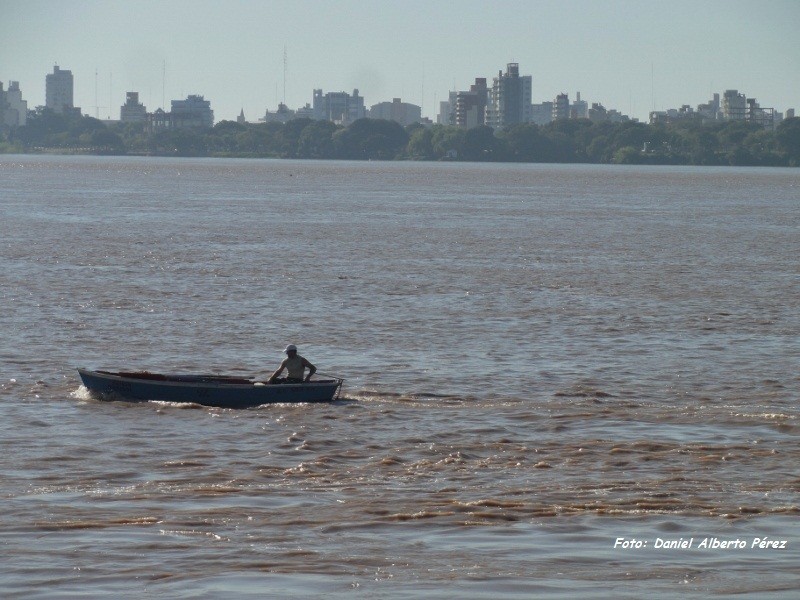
(207, 390)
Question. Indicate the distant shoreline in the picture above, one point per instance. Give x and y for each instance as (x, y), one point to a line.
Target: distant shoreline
(567, 141)
(86, 152)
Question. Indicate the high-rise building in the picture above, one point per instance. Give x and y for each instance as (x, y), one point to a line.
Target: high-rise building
(710, 110)
(509, 101)
(447, 110)
(579, 109)
(760, 115)
(58, 90)
(16, 109)
(542, 114)
(132, 111)
(737, 107)
(338, 107)
(561, 107)
(734, 106)
(471, 105)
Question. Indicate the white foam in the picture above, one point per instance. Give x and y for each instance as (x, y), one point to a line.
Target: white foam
(82, 393)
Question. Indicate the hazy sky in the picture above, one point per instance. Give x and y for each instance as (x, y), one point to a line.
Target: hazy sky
(632, 55)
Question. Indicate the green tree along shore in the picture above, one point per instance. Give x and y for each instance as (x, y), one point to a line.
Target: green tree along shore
(566, 141)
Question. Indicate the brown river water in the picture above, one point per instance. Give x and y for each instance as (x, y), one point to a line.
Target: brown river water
(561, 380)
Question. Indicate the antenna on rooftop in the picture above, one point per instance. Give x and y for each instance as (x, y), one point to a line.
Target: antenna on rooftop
(653, 84)
(164, 85)
(284, 73)
(422, 100)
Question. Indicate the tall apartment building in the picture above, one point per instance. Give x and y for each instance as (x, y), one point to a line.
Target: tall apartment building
(471, 105)
(509, 101)
(447, 110)
(710, 110)
(132, 111)
(579, 109)
(58, 90)
(542, 114)
(338, 107)
(737, 107)
(765, 117)
(16, 109)
(561, 107)
(734, 106)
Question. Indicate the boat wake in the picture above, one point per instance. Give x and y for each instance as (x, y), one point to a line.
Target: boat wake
(82, 393)
(179, 405)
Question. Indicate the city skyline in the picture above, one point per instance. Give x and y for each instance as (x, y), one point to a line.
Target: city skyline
(635, 57)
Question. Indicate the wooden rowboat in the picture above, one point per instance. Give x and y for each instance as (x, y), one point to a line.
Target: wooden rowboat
(207, 390)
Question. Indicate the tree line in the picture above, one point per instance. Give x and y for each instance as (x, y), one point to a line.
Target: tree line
(563, 141)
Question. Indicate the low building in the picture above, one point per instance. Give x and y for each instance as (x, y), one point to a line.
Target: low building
(396, 110)
(284, 114)
(732, 107)
(193, 113)
(305, 112)
(159, 120)
(339, 107)
(680, 115)
(599, 113)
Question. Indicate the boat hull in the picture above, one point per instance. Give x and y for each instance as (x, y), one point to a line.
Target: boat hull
(206, 390)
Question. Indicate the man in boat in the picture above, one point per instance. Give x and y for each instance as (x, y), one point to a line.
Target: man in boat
(295, 366)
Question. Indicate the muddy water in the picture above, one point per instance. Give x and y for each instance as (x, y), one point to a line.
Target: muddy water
(539, 360)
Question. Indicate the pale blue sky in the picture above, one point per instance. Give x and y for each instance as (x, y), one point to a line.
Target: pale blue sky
(629, 55)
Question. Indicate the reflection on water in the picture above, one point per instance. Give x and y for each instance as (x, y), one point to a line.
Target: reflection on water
(538, 360)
